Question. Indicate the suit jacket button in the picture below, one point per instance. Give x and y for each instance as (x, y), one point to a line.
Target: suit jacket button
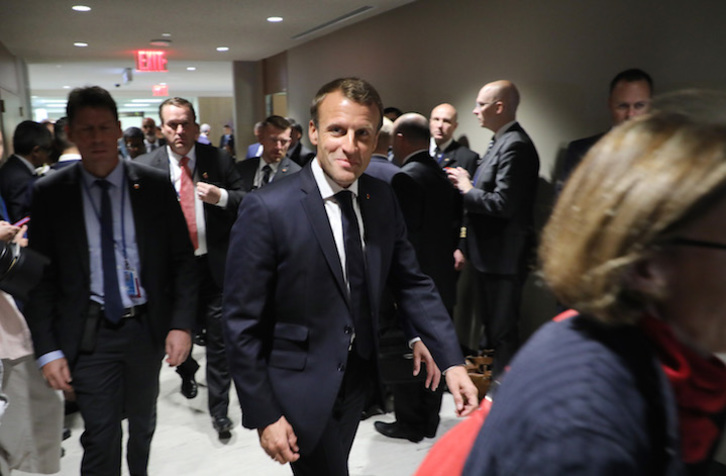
(341, 367)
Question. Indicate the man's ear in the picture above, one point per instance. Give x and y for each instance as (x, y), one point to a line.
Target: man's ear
(313, 133)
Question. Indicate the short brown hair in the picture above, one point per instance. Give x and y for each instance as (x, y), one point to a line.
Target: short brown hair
(634, 190)
(178, 102)
(355, 89)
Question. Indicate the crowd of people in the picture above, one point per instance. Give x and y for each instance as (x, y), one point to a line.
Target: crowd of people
(294, 267)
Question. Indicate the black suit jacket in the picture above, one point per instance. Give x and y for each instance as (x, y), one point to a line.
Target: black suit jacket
(287, 319)
(248, 168)
(15, 182)
(458, 155)
(57, 307)
(216, 167)
(499, 209)
(576, 150)
(432, 209)
(300, 154)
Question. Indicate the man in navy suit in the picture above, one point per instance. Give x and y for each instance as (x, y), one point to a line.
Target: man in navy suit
(120, 289)
(215, 189)
(32, 145)
(630, 93)
(498, 206)
(273, 164)
(309, 259)
(380, 167)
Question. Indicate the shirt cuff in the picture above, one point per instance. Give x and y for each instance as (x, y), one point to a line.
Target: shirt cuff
(413, 341)
(222, 203)
(49, 357)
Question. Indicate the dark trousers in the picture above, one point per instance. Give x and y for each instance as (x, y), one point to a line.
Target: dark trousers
(120, 378)
(210, 314)
(497, 304)
(330, 455)
(417, 407)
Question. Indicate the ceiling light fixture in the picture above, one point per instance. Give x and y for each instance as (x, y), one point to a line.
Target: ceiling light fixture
(274, 19)
(163, 42)
(166, 35)
(223, 48)
(191, 68)
(81, 8)
(80, 44)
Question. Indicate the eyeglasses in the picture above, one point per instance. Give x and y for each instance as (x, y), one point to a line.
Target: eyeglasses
(678, 241)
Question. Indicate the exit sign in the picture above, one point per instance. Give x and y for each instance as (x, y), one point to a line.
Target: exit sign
(160, 90)
(151, 61)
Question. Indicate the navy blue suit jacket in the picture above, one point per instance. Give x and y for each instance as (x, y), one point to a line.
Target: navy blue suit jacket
(286, 310)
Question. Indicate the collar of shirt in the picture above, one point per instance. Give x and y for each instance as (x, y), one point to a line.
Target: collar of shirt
(66, 157)
(27, 163)
(328, 188)
(503, 129)
(442, 147)
(116, 177)
(192, 154)
(274, 166)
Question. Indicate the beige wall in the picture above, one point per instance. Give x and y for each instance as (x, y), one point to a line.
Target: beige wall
(561, 54)
(215, 111)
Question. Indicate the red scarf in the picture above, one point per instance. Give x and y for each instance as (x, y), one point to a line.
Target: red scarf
(699, 385)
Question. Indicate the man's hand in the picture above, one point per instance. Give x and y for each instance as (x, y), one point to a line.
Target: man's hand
(433, 374)
(460, 178)
(279, 441)
(459, 260)
(20, 238)
(58, 375)
(465, 394)
(178, 345)
(208, 193)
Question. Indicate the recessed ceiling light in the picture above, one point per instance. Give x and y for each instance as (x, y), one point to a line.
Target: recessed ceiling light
(66, 87)
(162, 84)
(166, 35)
(191, 68)
(274, 19)
(223, 48)
(81, 8)
(80, 44)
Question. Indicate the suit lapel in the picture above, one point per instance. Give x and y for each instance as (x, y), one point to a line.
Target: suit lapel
(314, 207)
(372, 238)
(73, 189)
(138, 207)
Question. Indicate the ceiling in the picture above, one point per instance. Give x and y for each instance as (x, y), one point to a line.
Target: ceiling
(43, 33)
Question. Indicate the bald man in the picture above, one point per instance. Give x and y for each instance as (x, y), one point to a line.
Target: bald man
(498, 202)
(443, 148)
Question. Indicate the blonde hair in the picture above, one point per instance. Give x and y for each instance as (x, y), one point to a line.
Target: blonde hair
(635, 188)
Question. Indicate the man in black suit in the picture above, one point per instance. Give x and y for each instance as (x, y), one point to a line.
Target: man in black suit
(448, 152)
(297, 152)
(630, 93)
(302, 294)
(498, 205)
(32, 145)
(380, 167)
(151, 141)
(272, 164)
(208, 187)
(432, 209)
(120, 288)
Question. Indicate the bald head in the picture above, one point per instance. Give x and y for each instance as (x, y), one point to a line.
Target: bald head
(443, 123)
(385, 137)
(496, 104)
(410, 134)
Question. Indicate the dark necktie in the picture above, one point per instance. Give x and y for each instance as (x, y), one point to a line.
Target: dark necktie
(266, 171)
(438, 154)
(356, 272)
(113, 306)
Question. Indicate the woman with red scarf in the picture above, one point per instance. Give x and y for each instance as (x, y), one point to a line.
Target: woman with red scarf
(627, 383)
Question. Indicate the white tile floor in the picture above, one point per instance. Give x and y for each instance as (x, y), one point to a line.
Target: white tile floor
(186, 444)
